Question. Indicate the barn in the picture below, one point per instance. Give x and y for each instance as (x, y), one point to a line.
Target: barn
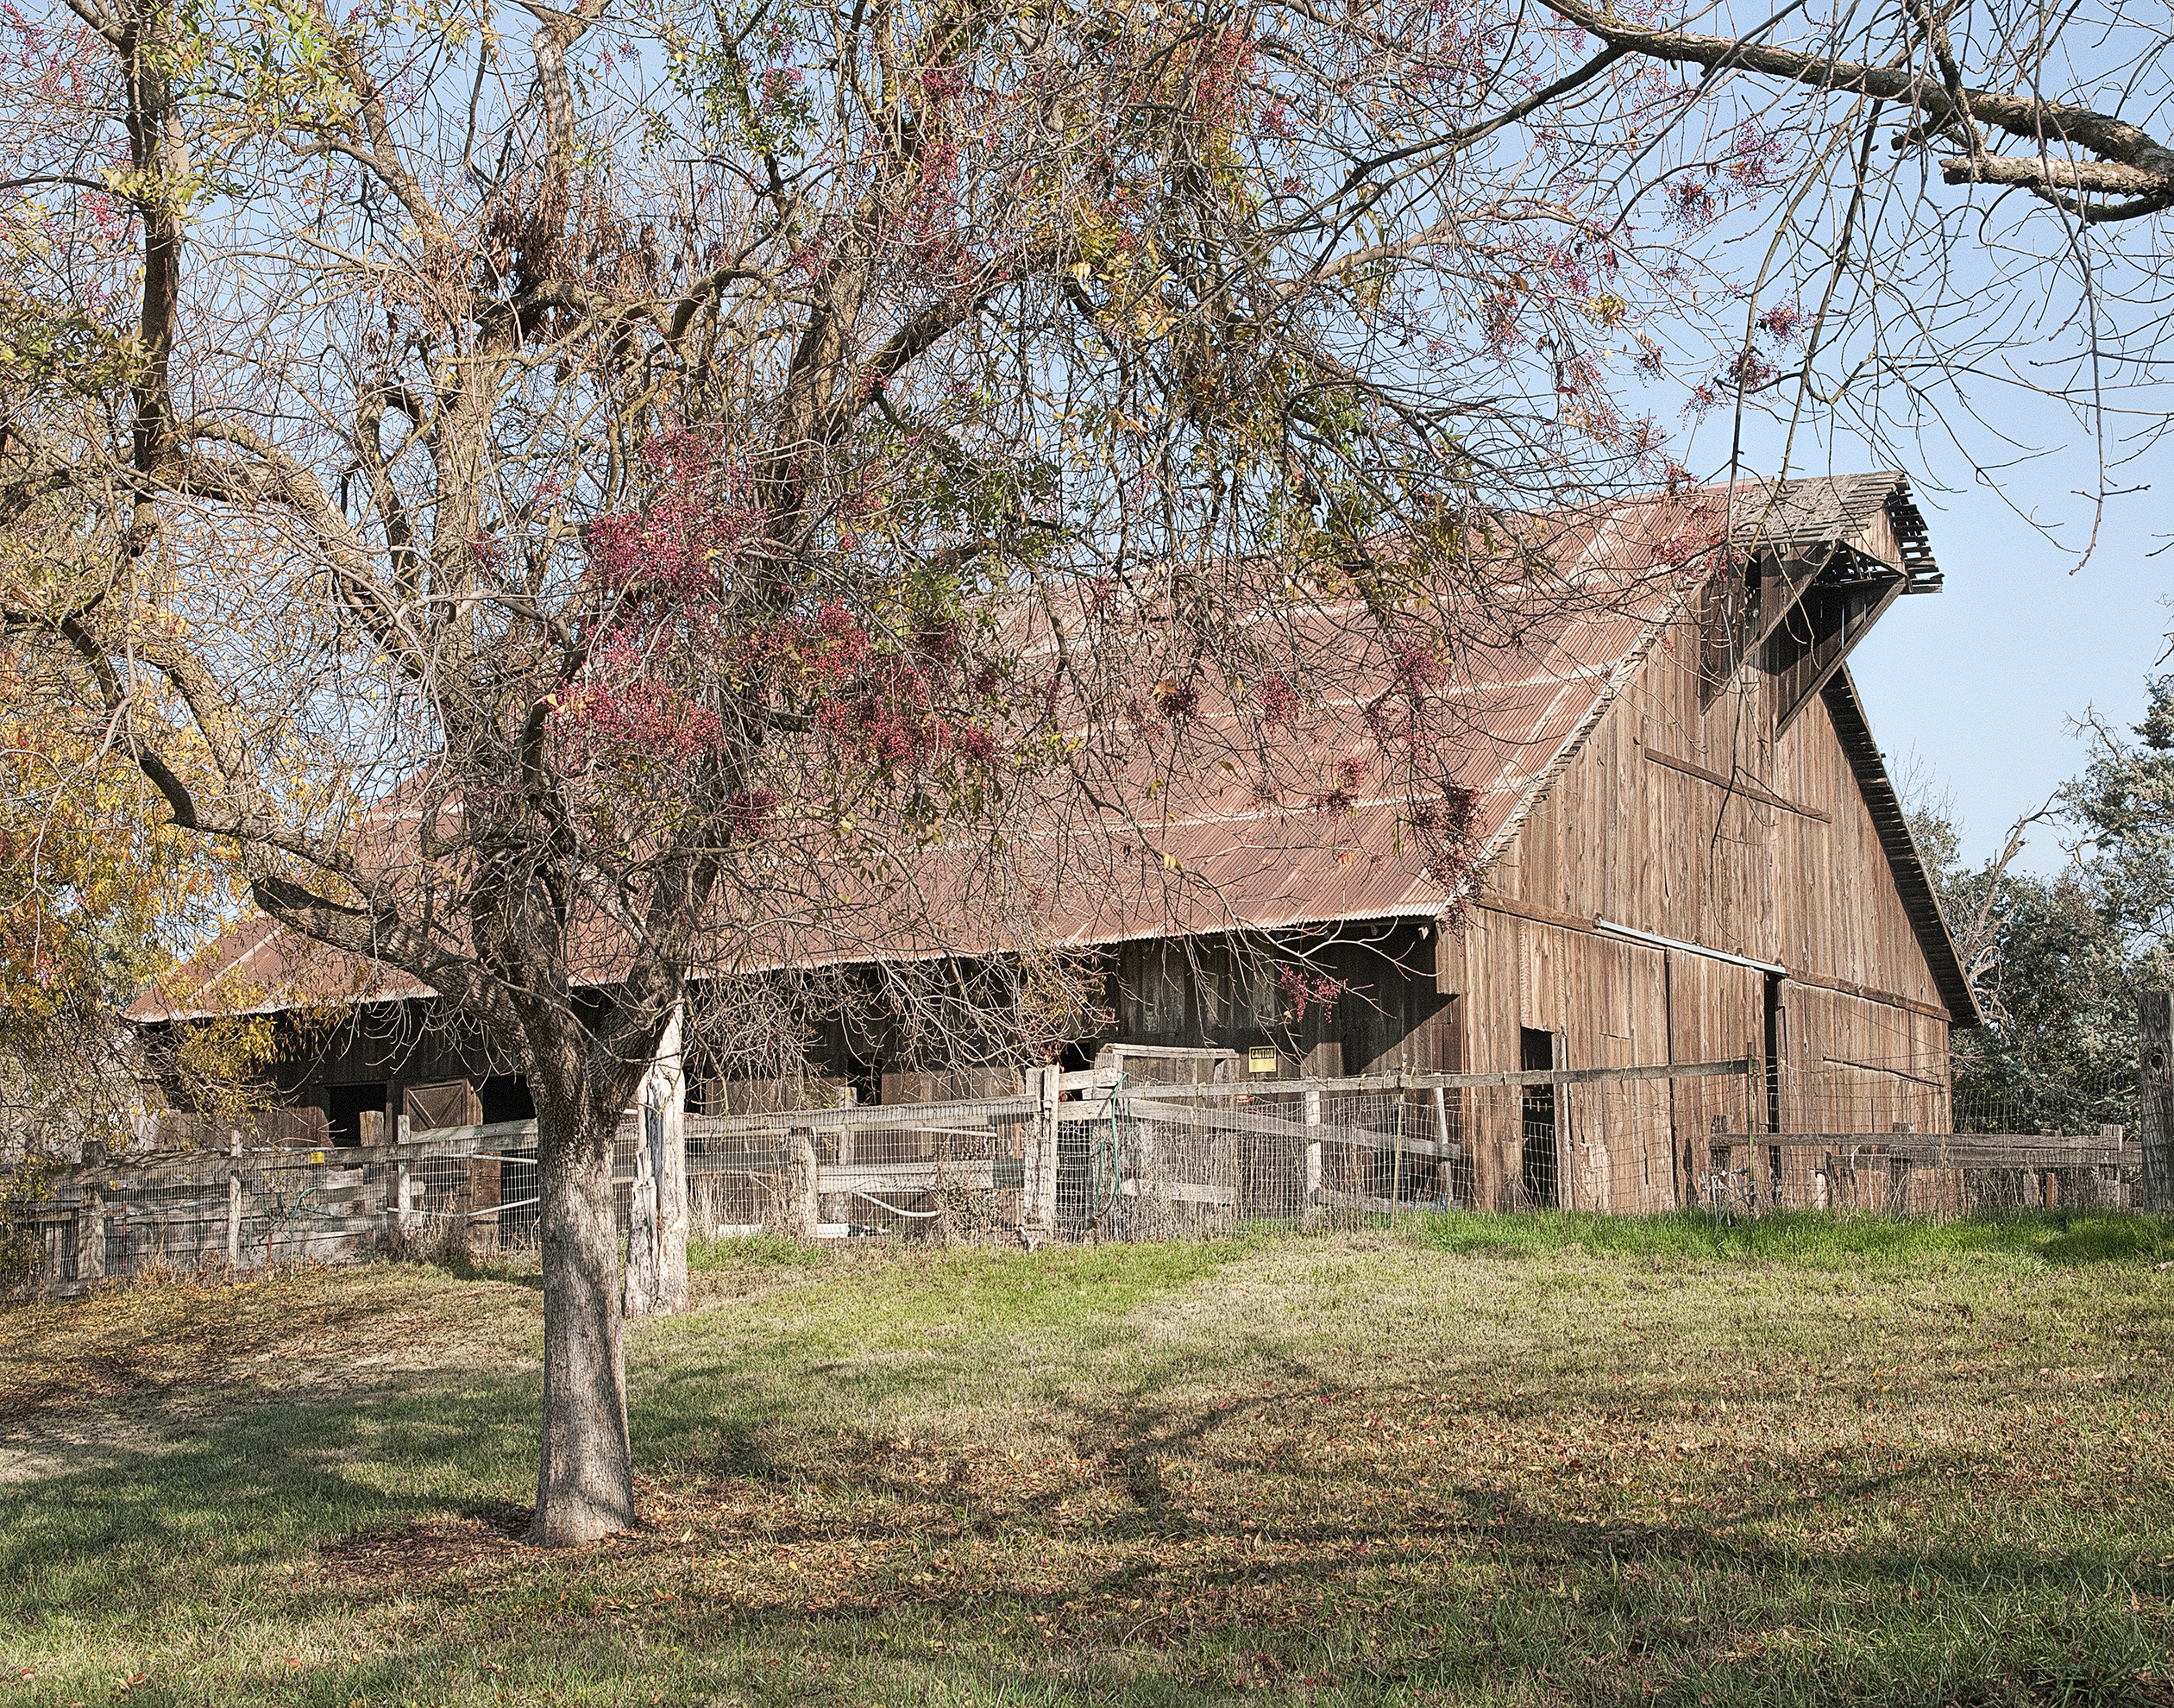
(1687, 848)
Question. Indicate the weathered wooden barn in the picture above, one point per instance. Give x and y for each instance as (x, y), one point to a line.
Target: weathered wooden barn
(1687, 848)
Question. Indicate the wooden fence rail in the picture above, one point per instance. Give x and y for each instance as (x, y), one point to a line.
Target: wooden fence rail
(342, 1199)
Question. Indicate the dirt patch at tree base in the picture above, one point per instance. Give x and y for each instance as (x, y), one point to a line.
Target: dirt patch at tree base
(429, 1548)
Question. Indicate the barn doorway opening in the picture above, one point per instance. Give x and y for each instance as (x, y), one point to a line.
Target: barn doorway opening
(505, 1096)
(346, 1105)
(1541, 1167)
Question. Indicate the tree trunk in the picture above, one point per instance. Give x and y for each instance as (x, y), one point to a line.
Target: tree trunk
(2155, 1065)
(584, 1478)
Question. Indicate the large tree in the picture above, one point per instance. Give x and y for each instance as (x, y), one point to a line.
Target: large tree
(1962, 228)
(619, 493)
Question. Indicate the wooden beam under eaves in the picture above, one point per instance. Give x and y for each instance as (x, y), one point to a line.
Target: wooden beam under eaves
(1784, 579)
(1822, 631)
(1743, 612)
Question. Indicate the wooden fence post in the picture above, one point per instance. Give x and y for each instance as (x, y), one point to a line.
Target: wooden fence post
(655, 1280)
(2155, 1066)
(642, 1281)
(1038, 1209)
(804, 1213)
(667, 1093)
(399, 1185)
(1311, 1117)
(90, 1242)
(234, 1197)
(2111, 1192)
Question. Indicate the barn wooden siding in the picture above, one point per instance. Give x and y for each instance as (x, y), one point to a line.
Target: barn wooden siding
(1699, 824)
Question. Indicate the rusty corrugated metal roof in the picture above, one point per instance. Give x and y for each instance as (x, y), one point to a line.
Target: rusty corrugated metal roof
(1199, 850)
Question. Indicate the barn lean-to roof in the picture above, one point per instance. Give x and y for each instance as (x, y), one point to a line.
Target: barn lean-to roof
(1523, 709)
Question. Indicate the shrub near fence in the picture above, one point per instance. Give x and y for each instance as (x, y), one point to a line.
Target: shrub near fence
(1091, 1156)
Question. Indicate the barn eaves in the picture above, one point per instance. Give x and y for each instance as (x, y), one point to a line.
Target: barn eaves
(1892, 824)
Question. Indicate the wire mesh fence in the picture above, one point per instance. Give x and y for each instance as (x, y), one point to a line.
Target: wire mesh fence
(272, 1204)
(1171, 1163)
(1109, 1158)
(898, 1169)
(1158, 1162)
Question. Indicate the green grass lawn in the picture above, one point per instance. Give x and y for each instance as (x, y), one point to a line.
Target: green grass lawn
(1473, 1458)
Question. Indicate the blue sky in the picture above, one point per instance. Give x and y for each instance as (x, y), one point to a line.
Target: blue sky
(1978, 684)
(1973, 692)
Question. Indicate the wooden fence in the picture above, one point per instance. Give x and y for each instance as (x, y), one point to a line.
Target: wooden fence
(1083, 1155)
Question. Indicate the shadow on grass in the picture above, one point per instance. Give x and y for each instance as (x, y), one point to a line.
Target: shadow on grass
(1283, 1578)
(141, 1528)
(1478, 1591)
(1468, 1589)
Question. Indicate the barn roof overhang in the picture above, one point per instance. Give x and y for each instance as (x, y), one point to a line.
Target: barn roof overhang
(1823, 561)
(1892, 821)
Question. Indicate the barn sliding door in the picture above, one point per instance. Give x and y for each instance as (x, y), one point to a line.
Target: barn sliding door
(1715, 1009)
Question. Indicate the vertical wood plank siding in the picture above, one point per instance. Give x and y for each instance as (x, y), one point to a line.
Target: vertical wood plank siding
(1786, 867)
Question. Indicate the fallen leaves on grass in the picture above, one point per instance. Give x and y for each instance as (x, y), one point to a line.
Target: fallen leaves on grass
(227, 1329)
(1477, 1500)
(428, 1549)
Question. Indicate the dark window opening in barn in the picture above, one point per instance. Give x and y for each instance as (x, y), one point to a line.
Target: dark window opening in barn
(1077, 1056)
(1776, 1039)
(865, 1074)
(505, 1096)
(345, 1107)
(1254, 979)
(1535, 1054)
(1211, 987)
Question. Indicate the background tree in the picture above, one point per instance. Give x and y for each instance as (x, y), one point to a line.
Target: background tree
(2057, 962)
(98, 895)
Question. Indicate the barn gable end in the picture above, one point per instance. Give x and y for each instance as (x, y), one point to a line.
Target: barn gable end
(1714, 868)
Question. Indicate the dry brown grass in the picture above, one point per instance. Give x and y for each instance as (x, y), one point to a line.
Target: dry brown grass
(209, 1335)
